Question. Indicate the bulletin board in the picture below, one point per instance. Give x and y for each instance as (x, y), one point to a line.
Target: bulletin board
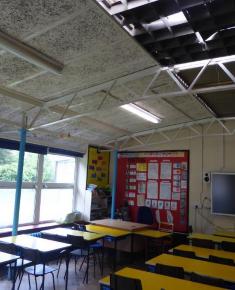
(98, 167)
(159, 180)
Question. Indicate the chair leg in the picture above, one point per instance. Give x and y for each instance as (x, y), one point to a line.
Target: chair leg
(59, 262)
(99, 261)
(94, 262)
(36, 282)
(84, 259)
(20, 280)
(29, 281)
(53, 279)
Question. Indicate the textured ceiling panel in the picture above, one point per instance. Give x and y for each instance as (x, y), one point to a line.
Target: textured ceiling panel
(23, 18)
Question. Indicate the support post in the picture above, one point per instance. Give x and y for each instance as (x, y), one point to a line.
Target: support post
(19, 181)
(114, 182)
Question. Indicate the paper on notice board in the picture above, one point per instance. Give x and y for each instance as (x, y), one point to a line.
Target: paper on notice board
(140, 200)
(141, 187)
(141, 176)
(152, 189)
(173, 205)
(165, 190)
(154, 203)
(153, 170)
(148, 202)
(165, 170)
(141, 167)
(176, 195)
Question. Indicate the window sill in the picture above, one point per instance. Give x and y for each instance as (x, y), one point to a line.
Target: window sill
(29, 229)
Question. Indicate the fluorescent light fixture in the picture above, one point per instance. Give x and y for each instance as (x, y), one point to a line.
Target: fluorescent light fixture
(176, 19)
(201, 63)
(172, 20)
(141, 113)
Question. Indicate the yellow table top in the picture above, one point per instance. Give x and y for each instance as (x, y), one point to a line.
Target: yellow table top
(149, 280)
(42, 245)
(153, 234)
(225, 234)
(204, 253)
(65, 232)
(197, 266)
(107, 231)
(120, 224)
(5, 258)
(216, 239)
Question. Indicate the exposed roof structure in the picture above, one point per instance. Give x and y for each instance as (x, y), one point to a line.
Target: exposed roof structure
(67, 67)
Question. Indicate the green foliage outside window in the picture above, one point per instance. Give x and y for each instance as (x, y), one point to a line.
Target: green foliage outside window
(9, 164)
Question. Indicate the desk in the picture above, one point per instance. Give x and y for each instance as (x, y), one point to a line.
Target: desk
(152, 281)
(63, 232)
(58, 233)
(115, 235)
(152, 234)
(225, 234)
(9, 259)
(120, 224)
(215, 239)
(44, 246)
(209, 269)
(204, 252)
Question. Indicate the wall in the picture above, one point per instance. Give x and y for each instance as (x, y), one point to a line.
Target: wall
(211, 153)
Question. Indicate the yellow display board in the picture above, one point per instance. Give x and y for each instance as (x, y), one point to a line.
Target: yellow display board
(98, 167)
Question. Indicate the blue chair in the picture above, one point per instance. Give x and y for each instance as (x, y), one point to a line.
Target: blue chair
(144, 215)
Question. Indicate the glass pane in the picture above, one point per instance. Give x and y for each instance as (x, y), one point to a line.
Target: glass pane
(7, 202)
(59, 169)
(55, 204)
(9, 164)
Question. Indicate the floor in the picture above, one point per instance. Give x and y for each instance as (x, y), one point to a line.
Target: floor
(76, 279)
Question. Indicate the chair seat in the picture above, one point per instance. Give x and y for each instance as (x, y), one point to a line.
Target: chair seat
(79, 253)
(39, 270)
(96, 246)
(19, 263)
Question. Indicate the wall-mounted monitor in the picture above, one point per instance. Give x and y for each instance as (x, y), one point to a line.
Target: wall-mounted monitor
(223, 193)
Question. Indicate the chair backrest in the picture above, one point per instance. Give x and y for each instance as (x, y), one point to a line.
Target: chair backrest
(187, 254)
(31, 254)
(144, 215)
(220, 260)
(228, 246)
(9, 248)
(122, 283)
(209, 280)
(172, 271)
(77, 242)
(204, 243)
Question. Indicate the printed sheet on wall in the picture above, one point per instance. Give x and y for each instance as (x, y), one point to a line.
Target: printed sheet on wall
(159, 180)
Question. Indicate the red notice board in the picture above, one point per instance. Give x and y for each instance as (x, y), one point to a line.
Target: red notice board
(159, 180)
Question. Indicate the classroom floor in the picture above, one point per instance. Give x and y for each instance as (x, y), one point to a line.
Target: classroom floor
(75, 280)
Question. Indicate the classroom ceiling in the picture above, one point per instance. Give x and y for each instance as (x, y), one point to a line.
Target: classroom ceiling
(103, 68)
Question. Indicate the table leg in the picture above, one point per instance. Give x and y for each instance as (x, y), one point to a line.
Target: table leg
(14, 276)
(132, 248)
(43, 276)
(88, 262)
(102, 258)
(67, 270)
(115, 255)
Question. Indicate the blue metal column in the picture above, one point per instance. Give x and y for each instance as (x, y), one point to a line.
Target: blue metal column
(19, 181)
(114, 182)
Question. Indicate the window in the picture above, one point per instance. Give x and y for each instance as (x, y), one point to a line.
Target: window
(9, 164)
(38, 197)
(58, 169)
